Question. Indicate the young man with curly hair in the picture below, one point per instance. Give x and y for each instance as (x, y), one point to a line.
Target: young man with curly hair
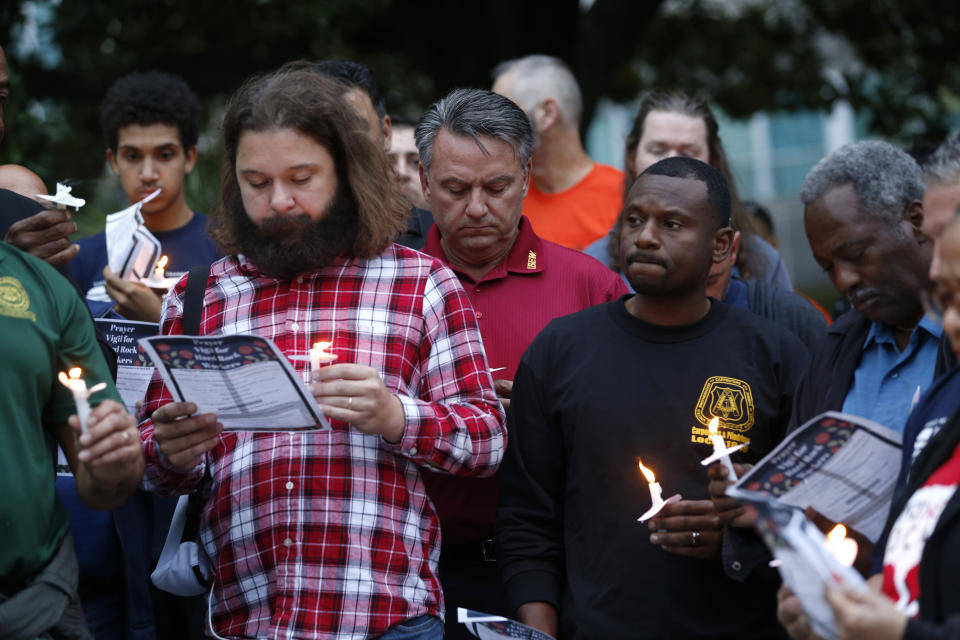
(150, 125)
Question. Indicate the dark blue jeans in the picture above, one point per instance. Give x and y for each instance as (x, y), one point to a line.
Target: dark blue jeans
(420, 628)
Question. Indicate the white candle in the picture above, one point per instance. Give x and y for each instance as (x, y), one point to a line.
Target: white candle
(656, 494)
(319, 355)
(720, 450)
(159, 272)
(841, 547)
(81, 395)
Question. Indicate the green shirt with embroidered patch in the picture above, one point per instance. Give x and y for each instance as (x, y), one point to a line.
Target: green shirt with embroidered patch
(45, 329)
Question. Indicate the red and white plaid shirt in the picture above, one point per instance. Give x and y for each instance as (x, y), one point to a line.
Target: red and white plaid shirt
(330, 534)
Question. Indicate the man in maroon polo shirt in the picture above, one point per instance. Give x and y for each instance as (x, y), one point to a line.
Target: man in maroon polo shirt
(475, 148)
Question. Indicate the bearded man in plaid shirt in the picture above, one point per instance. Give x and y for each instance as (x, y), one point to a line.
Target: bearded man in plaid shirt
(326, 534)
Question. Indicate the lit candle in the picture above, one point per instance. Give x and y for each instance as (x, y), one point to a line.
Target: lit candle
(160, 271)
(81, 395)
(319, 355)
(841, 547)
(720, 450)
(656, 494)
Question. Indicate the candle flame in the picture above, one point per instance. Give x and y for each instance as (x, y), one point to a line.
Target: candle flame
(647, 472)
(837, 534)
(75, 372)
(63, 378)
(714, 426)
(844, 549)
(162, 262)
(322, 346)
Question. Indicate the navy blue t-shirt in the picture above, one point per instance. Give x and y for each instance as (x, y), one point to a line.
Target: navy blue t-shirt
(934, 410)
(185, 247)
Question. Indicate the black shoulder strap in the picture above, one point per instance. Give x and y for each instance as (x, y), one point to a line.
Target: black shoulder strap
(193, 299)
(192, 309)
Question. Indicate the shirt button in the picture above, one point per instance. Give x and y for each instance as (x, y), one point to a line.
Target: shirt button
(476, 289)
(295, 327)
(413, 451)
(895, 375)
(479, 315)
(287, 542)
(299, 279)
(289, 485)
(735, 565)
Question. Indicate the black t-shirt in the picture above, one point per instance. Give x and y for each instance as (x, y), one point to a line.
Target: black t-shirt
(595, 391)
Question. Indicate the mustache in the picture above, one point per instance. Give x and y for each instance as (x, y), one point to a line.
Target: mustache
(284, 227)
(859, 294)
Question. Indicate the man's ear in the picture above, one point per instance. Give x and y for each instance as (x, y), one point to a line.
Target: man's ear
(734, 248)
(527, 173)
(723, 243)
(425, 184)
(112, 160)
(547, 114)
(913, 215)
(190, 162)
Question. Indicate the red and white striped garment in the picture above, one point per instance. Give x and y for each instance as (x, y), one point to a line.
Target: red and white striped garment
(331, 534)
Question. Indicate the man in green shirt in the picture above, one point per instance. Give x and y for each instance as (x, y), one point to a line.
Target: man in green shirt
(46, 330)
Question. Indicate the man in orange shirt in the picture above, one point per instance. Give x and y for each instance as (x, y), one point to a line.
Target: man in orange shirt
(572, 199)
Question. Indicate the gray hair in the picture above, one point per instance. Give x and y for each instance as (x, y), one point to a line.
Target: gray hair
(539, 77)
(885, 179)
(475, 113)
(943, 165)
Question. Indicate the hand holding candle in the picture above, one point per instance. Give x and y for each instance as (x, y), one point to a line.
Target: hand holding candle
(81, 395)
(720, 450)
(656, 494)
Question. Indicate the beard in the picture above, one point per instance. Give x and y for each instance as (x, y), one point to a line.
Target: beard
(283, 246)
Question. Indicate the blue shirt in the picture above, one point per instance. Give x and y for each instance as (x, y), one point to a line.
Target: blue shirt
(886, 378)
(185, 247)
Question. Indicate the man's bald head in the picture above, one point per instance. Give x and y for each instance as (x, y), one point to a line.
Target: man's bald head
(21, 180)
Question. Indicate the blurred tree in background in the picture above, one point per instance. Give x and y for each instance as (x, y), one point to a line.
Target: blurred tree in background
(888, 58)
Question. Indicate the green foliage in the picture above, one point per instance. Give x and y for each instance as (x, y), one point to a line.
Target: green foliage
(890, 59)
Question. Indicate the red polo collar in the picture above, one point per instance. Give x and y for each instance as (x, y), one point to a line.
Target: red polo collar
(525, 257)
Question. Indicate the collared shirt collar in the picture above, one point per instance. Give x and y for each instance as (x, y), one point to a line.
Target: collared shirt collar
(526, 255)
(882, 334)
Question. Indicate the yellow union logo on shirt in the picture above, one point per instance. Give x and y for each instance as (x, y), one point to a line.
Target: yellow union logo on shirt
(14, 301)
(729, 399)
